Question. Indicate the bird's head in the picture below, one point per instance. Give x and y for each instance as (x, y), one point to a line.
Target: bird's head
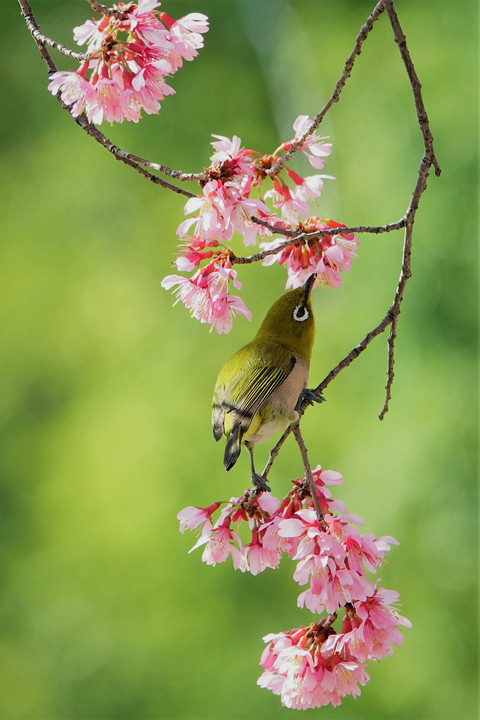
(290, 321)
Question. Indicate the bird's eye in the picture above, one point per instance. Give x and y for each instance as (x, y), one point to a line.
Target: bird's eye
(300, 313)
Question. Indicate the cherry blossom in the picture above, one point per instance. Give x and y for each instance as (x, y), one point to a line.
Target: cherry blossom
(206, 295)
(193, 517)
(370, 628)
(325, 255)
(315, 665)
(296, 669)
(129, 58)
(222, 210)
(222, 543)
(314, 147)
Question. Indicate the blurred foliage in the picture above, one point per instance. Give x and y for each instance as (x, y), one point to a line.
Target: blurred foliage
(105, 389)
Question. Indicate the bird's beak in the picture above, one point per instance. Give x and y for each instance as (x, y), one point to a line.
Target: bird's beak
(308, 285)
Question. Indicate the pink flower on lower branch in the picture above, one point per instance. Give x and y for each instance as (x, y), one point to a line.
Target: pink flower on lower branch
(206, 294)
(370, 628)
(222, 543)
(259, 556)
(192, 517)
(296, 669)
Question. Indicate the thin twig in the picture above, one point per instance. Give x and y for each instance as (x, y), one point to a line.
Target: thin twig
(308, 470)
(349, 63)
(44, 40)
(104, 10)
(297, 239)
(422, 116)
(122, 155)
(426, 163)
(178, 174)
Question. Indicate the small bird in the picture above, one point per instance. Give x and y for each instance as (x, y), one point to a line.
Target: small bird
(259, 390)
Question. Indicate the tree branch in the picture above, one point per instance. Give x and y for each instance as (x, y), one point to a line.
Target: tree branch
(104, 10)
(297, 238)
(308, 471)
(347, 70)
(90, 128)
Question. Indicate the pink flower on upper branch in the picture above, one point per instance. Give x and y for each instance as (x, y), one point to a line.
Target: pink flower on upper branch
(231, 160)
(186, 33)
(194, 252)
(222, 210)
(314, 147)
(295, 669)
(74, 90)
(325, 255)
(129, 59)
(206, 294)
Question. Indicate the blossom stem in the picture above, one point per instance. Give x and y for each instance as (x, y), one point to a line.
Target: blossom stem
(308, 470)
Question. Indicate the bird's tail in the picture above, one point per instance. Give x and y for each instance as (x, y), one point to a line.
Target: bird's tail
(233, 447)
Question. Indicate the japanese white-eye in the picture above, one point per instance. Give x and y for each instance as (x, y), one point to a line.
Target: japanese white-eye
(261, 387)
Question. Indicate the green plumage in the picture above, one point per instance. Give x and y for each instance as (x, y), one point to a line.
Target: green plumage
(258, 388)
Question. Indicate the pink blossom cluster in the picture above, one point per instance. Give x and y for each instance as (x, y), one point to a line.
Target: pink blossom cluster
(297, 668)
(226, 206)
(130, 54)
(309, 666)
(206, 294)
(324, 255)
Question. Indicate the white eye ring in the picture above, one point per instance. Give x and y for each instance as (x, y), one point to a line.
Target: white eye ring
(300, 314)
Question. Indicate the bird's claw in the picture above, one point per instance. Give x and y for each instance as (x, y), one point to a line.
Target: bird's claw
(309, 396)
(260, 483)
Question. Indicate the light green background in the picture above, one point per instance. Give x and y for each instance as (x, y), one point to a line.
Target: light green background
(105, 389)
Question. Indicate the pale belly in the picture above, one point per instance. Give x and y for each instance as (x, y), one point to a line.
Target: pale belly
(279, 410)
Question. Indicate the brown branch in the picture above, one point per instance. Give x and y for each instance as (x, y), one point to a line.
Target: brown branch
(82, 120)
(122, 155)
(426, 163)
(392, 315)
(44, 40)
(296, 239)
(422, 116)
(104, 10)
(347, 70)
(178, 174)
(308, 470)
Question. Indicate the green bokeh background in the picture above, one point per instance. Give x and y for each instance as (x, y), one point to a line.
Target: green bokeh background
(105, 389)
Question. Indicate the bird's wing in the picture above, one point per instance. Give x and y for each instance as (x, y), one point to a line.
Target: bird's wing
(240, 394)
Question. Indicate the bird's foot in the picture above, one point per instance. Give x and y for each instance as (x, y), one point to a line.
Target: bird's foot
(310, 396)
(260, 482)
